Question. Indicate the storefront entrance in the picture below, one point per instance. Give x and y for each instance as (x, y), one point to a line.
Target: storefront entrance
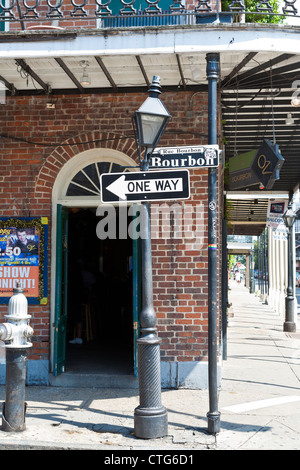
(98, 280)
(97, 291)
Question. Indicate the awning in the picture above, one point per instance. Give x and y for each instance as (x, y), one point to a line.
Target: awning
(259, 66)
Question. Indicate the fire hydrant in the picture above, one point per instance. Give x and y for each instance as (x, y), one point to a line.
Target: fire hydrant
(15, 333)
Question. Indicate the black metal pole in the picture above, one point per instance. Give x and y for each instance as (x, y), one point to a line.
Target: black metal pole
(150, 417)
(267, 261)
(213, 415)
(256, 287)
(263, 263)
(251, 273)
(259, 263)
(289, 324)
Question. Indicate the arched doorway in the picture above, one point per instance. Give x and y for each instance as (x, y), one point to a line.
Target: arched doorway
(95, 281)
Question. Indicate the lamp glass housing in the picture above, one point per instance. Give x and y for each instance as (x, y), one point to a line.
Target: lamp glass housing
(151, 119)
(289, 217)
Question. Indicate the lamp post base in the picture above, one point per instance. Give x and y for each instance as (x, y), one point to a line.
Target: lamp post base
(213, 422)
(289, 325)
(150, 417)
(148, 425)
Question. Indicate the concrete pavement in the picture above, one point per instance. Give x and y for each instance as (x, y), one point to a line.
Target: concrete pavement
(260, 395)
(259, 400)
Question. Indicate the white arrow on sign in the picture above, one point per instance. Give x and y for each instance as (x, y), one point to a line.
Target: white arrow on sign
(121, 188)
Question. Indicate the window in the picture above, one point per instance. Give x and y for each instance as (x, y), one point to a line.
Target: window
(87, 181)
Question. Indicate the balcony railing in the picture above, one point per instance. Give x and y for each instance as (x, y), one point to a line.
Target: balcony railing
(35, 14)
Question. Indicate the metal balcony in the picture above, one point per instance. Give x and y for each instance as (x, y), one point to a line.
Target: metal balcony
(20, 14)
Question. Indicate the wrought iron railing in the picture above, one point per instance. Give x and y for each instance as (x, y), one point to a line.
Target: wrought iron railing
(117, 13)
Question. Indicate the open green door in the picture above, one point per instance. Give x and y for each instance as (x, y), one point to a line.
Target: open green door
(61, 291)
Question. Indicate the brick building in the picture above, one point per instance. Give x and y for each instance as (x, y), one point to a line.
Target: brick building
(43, 153)
(58, 136)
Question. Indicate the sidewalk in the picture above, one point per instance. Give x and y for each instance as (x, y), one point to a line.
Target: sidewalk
(259, 400)
(260, 396)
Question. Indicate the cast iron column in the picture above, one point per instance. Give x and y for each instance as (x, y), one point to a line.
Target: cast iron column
(213, 415)
(150, 417)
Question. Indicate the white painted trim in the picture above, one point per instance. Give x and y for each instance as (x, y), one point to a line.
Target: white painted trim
(237, 37)
(80, 161)
(256, 194)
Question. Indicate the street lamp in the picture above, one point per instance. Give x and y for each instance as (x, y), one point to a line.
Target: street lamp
(289, 325)
(149, 123)
(150, 417)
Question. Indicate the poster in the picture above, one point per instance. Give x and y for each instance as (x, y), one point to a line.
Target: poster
(22, 257)
(276, 209)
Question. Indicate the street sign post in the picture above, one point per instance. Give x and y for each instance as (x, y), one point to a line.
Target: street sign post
(185, 157)
(145, 186)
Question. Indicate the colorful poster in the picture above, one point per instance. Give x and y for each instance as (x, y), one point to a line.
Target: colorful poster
(22, 257)
(276, 209)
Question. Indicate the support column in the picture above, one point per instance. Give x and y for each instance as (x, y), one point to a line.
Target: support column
(289, 324)
(213, 415)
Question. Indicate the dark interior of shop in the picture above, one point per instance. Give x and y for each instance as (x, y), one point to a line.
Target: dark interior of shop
(99, 288)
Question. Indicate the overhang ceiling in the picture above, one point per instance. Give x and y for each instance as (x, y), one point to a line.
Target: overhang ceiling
(255, 106)
(247, 211)
(256, 89)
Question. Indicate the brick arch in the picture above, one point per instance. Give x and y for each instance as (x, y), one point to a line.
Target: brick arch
(73, 146)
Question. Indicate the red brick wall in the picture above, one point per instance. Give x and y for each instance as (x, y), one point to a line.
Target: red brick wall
(36, 142)
(180, 281)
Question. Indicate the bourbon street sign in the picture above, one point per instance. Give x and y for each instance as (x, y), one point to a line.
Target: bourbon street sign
(145, 186)
(185, 157)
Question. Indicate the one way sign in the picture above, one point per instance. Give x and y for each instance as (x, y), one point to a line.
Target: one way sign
(145, 186)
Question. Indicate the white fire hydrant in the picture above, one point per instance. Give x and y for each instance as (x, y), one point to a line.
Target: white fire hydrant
(15, 333)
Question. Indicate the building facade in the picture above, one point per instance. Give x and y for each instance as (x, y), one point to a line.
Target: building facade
(51, 162)
(73, 75)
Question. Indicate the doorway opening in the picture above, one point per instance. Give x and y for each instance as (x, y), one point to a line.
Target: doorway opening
(99, 336)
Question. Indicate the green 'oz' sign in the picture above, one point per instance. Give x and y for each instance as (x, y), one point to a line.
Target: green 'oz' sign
(260, 166)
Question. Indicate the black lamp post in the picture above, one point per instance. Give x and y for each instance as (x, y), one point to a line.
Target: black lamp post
(150, 417)
(213, 415)
(251, 270)
(289, 325)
